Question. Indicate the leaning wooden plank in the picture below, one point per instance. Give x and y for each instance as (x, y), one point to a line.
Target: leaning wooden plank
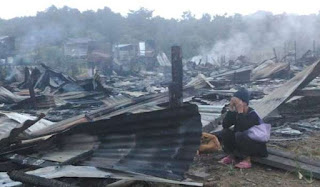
(292, 156)
(283, 93)
(289, 165)
(36, 180)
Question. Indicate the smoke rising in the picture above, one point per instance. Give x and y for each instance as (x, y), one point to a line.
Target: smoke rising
(264, 31)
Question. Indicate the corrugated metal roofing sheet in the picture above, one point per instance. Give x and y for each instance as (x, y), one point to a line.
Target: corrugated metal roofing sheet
(161, 143)
(163, 59)
(281, 94)
(123, 105)
(8, 97)
(268, 69)
(53, 172)
(11, 120)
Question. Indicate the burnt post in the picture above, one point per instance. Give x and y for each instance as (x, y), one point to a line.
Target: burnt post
(26, 74)
(314, 48)
(285, 52)
(275, 55)
(295, 52)
(175, 88)
(30, 84)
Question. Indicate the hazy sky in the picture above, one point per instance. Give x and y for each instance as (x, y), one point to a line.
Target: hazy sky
(164, 8)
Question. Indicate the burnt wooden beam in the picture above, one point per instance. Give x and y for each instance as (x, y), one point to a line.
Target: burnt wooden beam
(292, 156)
(314, 49)
(295, 52)
(176, 88)
(78, 158)
(289, 165)
(6, 166)
(31, 82)
(36, 180)
(310, 93)
(275, 55)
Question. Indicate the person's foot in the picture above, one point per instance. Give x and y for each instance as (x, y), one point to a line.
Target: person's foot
(243, 164)
(227, 160)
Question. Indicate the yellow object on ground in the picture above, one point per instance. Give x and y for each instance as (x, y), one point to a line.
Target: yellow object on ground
(209, 143)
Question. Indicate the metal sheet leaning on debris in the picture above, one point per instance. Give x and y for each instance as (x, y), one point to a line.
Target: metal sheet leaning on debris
(284, 92)
(53, 172)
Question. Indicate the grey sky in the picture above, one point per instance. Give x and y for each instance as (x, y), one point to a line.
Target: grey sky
(164, 8)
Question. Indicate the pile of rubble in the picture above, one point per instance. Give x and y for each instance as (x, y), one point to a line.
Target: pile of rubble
(141, 127)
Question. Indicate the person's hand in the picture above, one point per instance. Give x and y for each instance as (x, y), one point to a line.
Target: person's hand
(232, 106)
(239, 106)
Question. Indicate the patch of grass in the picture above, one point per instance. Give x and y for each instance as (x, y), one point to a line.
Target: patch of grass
(235, 185)
(231, 170)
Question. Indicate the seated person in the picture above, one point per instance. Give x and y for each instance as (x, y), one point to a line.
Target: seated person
(236, 142)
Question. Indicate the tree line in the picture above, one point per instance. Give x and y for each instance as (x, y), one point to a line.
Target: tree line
(229, 35)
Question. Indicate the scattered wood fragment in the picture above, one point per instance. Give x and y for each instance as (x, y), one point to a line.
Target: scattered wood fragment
(36, 180)
(290, 162)
(121, 183)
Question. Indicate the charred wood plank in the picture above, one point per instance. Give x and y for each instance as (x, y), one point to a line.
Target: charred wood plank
(289, 155)
(36, 180)
(176, 88)
(311, 93)
(289, 165)
(78, 158)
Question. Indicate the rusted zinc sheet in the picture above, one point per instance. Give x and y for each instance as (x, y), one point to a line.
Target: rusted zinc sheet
(8, 97)
(11, 121)
(42, 101)
(160, 143)
(269, 69)
(10, 128)
(56, 80)
(283, 93)
(122, 105)
(241, 75)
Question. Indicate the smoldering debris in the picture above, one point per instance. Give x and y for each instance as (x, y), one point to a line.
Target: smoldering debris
(135, 122)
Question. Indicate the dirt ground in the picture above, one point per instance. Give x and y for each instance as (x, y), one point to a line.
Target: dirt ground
(206, 169)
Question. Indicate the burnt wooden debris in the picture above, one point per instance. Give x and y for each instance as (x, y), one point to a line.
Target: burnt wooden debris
(290, 162)
(150, 133)
(176, 87)
(12, 138)
(36, 180)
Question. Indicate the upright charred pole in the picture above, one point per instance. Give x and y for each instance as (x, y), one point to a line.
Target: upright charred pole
(175, 88)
